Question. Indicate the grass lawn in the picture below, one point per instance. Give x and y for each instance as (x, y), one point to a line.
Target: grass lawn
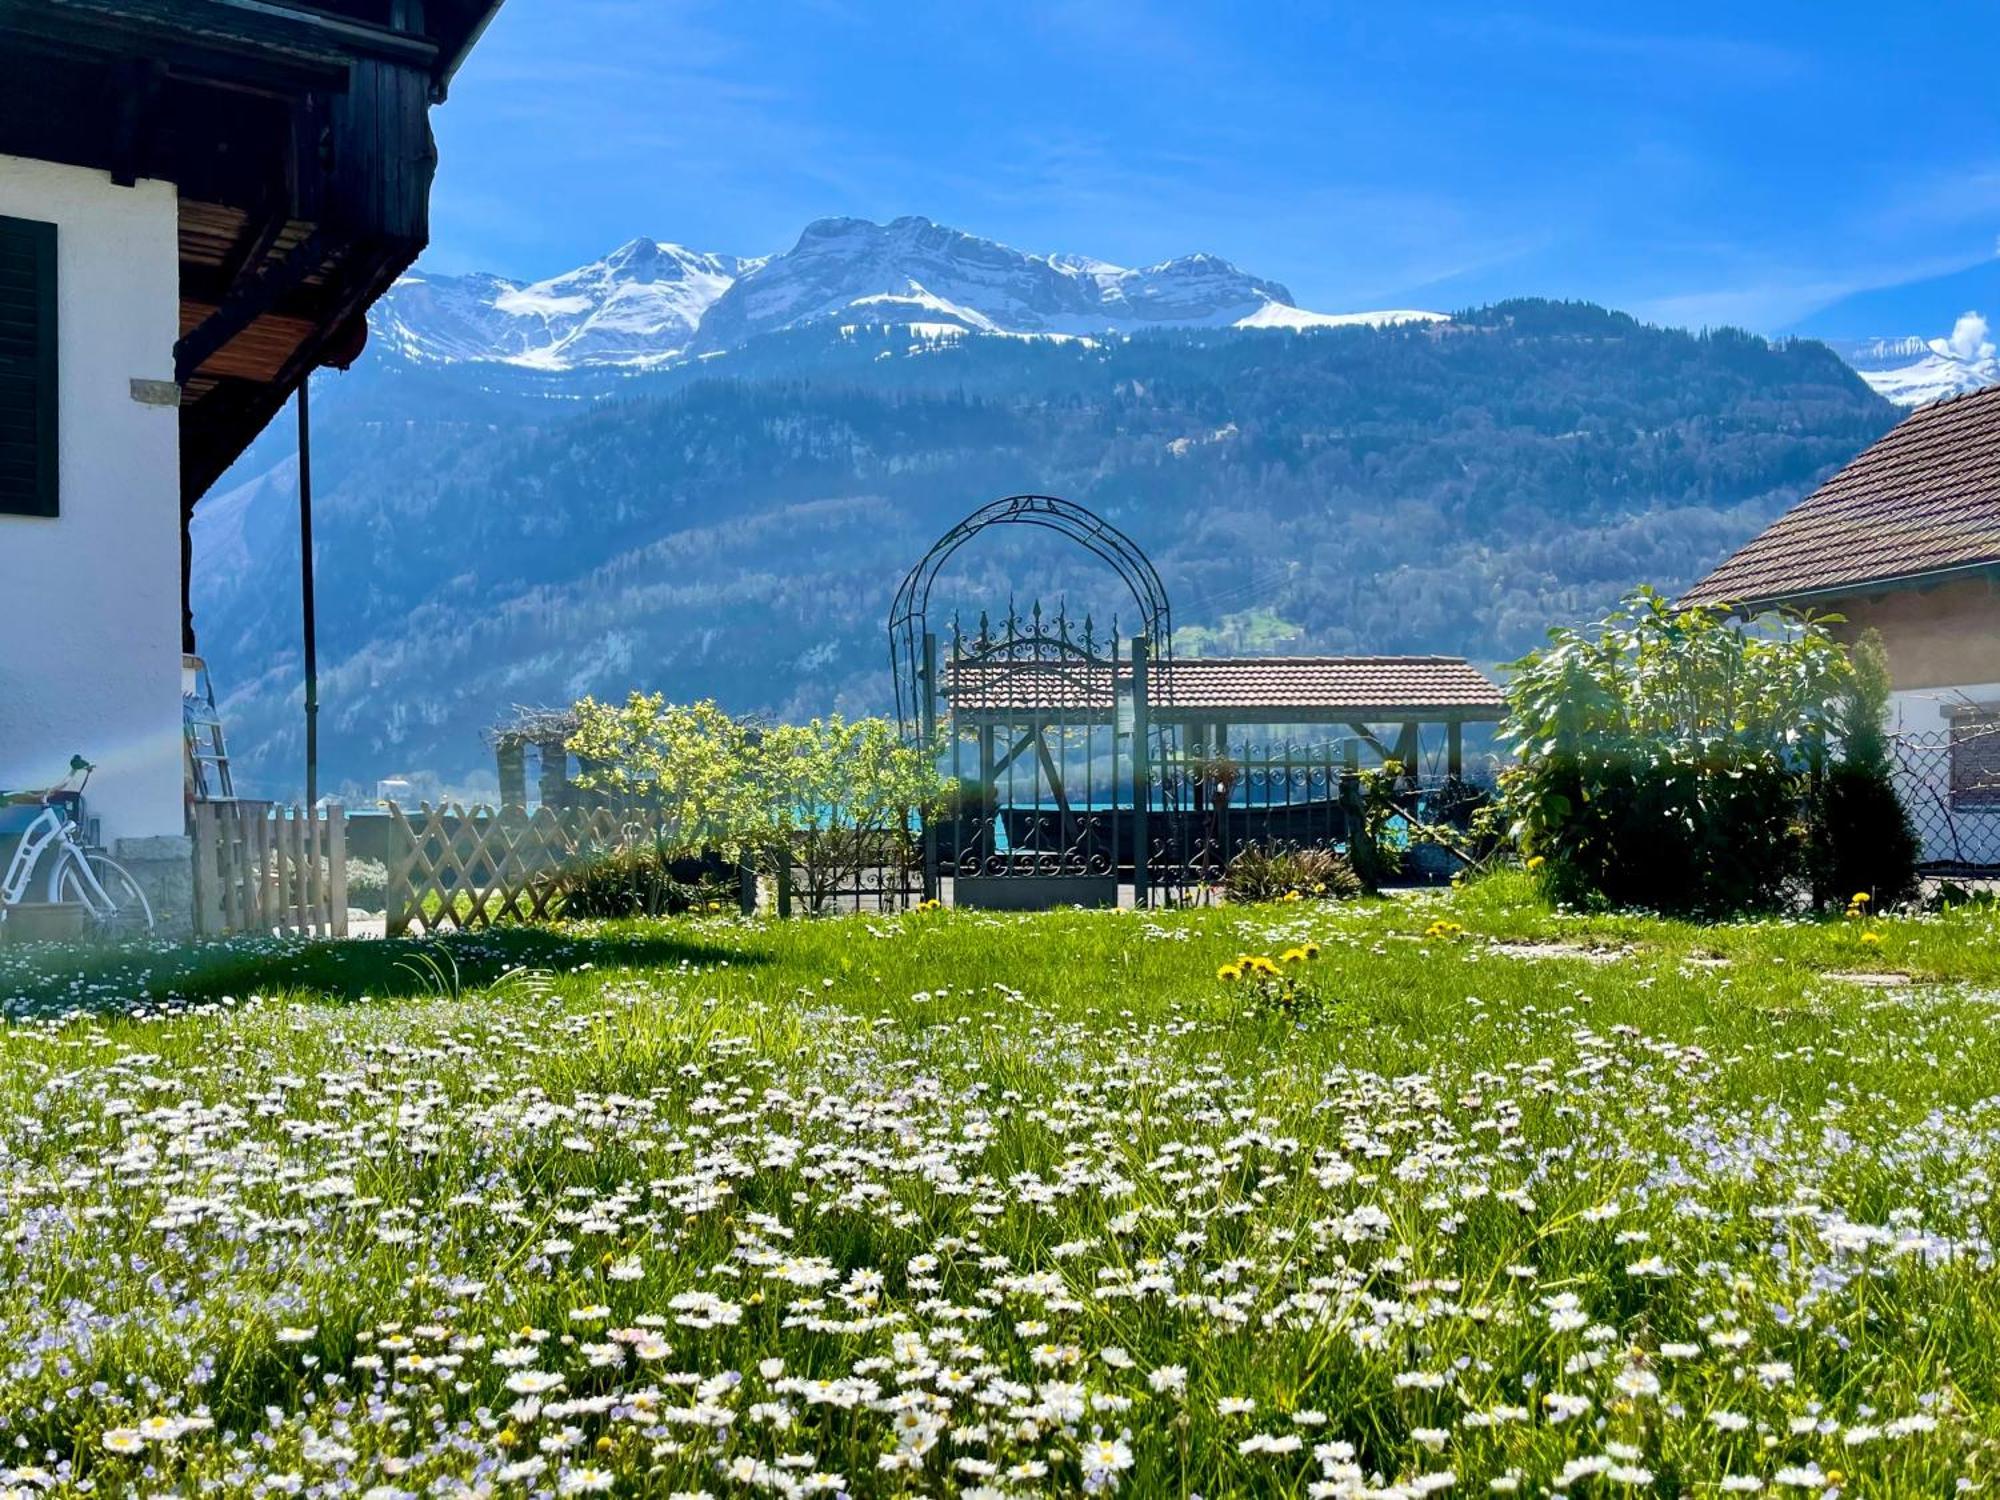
(1511, 1201)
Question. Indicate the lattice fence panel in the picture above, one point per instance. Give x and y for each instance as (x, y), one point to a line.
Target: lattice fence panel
(454, 868)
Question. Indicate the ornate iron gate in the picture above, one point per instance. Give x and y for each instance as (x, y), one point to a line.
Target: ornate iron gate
(1217, 803)
(1043, 814)
(1047, 726)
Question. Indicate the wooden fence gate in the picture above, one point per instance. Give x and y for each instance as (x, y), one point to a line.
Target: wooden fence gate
(262, 868)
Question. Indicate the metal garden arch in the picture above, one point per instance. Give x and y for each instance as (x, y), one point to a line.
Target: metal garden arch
(1037, 678)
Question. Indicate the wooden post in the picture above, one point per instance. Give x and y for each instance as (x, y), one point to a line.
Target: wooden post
(295, 847)
(1409, 751)
(316, 910)
(258, 839)
(207, 872)
(784, 880)
(1142, 772)
(336, 867)
(1454, 752)
(229, 877)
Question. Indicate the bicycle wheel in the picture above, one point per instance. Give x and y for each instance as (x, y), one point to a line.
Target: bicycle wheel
(129, 913)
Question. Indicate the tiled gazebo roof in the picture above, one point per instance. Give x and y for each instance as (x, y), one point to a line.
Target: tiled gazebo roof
(1241, 689)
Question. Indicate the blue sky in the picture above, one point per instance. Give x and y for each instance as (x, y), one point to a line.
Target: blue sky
(1827, 167)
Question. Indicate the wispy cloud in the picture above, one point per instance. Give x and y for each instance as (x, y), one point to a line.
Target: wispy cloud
(1665, 55)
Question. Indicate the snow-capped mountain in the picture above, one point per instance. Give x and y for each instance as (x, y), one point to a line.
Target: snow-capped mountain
(640, 304)
(649, 303)
(1914, 370)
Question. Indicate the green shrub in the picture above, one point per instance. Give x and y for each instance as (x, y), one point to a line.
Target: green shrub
(1372, 850)
(1665, 755)
(1861, 836)
(1259, 873)
(367, 884)
(640, 882)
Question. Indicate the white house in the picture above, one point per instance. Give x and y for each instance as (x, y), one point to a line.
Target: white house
(1906, 540)
(90, 489)
(198, 202)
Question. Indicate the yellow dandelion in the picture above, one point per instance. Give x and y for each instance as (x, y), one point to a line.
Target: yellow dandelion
(1229, 973)
(1859, 898)
(1871, 937)
(1292, 956)
(1536, 861)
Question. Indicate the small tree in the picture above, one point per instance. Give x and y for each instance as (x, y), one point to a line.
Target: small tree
(1663, 754)
(1862, 837)
(842, 796)
(682, 772)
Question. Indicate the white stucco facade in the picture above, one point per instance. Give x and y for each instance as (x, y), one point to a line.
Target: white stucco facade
(90, 621)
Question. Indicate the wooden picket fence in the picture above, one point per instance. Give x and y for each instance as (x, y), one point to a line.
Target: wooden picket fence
(263, 868)
(450, 867)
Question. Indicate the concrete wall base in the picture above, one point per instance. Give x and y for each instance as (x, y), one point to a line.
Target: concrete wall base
(164, 867)
(1033, 892)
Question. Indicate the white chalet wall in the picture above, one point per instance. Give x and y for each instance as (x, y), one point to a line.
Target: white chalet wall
(90, 600)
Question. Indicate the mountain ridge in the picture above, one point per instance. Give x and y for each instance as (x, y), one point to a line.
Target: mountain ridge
(653, 302)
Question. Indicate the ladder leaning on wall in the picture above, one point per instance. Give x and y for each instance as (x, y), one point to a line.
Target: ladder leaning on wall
(208, 778)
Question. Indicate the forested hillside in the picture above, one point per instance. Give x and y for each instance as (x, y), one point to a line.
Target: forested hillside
(489, 537)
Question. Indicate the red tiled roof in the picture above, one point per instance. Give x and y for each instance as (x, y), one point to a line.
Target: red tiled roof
(1922, 499)
(1256, 686)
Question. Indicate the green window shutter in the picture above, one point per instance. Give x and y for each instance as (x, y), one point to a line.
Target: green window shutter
(27, 368)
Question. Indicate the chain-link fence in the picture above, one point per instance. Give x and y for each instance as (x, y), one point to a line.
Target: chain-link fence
(1949, 779)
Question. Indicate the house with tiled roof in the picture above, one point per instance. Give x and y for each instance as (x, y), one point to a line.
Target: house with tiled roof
(1906, 539)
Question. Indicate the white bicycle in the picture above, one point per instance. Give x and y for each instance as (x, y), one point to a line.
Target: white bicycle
(77, 876)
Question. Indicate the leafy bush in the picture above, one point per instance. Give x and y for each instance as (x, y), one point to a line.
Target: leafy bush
(1370, 798)
(1665, 755)
(639, 882)
(826, 799)
(1862, 838)
(367, 884)
(685, 770)
(1260, 873)
(841, 796)
(1391, 819)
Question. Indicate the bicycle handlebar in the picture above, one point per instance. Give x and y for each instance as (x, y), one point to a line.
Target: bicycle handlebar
(77, 765)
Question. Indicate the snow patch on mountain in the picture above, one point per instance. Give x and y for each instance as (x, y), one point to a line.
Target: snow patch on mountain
(650, 303)
(1913, 370)
(1280, 315)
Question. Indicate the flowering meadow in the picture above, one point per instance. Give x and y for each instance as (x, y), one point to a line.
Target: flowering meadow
(1456, 1196)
